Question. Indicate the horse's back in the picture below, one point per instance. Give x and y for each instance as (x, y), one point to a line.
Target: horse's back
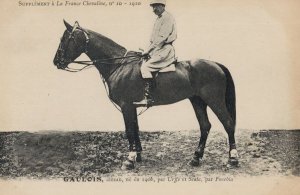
(206, 67)
(199, 69)
(207, 78)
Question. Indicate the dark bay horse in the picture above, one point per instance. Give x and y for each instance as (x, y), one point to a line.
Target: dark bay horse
(204, 83)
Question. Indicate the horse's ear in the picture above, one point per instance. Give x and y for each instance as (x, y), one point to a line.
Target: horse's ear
(68, 26)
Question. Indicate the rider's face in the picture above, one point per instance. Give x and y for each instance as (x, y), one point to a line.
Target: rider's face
(158, 9)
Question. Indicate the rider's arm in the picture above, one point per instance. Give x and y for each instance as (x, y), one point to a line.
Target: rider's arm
(166, 33)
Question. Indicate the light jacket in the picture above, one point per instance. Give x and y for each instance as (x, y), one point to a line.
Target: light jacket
(163, 35)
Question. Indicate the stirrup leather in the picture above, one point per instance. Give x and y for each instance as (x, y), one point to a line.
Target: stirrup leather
(147, 101)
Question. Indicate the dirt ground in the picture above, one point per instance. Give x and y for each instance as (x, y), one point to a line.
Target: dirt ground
(54, 155)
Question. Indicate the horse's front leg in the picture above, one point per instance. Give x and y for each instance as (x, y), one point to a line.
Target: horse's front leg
(132, 133)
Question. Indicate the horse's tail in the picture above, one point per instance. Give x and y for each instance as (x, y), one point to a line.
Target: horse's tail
(230, 93)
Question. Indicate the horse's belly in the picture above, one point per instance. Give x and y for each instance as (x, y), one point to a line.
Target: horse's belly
(172, 87)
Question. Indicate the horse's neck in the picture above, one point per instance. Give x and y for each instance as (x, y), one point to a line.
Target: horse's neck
(101, 48)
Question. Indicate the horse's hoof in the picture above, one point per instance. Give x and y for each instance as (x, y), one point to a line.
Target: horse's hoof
(233, 158)
(138, 157)
(233, 162)
(195, 162)
(127, 165)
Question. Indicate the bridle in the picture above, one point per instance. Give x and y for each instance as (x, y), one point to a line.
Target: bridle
(88, 63)
(62, 51)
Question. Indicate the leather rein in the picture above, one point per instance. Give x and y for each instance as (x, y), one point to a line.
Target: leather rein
(89, 63)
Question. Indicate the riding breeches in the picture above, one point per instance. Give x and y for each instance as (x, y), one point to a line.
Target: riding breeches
(160, 59)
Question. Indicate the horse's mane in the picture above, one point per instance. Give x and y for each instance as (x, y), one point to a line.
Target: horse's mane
(106, 41)
(108, 47)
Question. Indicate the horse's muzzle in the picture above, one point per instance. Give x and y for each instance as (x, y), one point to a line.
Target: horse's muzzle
(59, 63)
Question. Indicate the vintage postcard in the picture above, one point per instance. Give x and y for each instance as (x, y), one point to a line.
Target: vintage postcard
(149, 96)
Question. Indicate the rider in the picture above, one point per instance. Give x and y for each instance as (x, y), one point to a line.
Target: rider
(160, 51)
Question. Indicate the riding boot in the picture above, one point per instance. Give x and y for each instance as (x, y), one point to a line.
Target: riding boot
(148, 100)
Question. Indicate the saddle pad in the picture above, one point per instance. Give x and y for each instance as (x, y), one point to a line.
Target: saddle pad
(169, 68)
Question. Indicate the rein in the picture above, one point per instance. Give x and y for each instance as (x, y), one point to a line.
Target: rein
(89, 63)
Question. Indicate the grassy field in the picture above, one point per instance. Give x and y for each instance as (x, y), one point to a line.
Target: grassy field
(54, 155)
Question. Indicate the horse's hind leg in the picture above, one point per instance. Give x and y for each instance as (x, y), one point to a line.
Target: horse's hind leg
(223, 115)
(200, 108)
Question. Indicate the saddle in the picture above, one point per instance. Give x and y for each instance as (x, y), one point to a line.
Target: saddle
(170, 68)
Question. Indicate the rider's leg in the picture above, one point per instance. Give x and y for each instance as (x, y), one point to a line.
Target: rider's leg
(149, 84)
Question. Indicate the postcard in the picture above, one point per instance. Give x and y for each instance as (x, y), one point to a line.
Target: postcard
(149, 96)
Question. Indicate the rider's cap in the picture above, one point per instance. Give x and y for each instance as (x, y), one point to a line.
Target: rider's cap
(158, 2)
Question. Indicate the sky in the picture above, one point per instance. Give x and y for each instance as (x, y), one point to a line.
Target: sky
(256, 40)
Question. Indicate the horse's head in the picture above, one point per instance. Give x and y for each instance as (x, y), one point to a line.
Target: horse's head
(72, 44)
